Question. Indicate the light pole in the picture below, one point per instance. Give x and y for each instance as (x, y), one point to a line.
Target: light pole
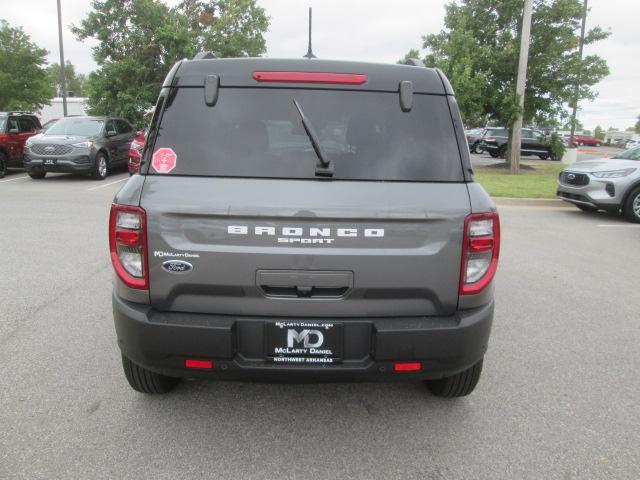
(521, 82)
(577, 88)
(62, 79)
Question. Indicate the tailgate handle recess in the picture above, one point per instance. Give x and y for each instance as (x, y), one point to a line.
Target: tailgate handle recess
(304, 284)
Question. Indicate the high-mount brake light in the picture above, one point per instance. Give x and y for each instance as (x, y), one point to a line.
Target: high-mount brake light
(311, 77)
(480, 251)
(128, 245)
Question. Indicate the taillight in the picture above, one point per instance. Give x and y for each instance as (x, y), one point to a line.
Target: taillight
(128, 245)
(480, 250)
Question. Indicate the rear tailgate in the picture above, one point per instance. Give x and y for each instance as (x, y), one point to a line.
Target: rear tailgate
(304, 248)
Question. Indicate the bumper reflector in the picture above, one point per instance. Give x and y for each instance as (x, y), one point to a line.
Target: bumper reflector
(201, 364)
(407, 367)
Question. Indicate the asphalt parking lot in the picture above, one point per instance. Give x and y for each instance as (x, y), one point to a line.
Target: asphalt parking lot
(558, 398)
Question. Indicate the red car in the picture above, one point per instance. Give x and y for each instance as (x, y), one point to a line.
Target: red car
(15, 129)
(135, 152)
(579, 141)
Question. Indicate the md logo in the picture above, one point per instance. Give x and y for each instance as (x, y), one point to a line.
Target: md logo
(305, 337)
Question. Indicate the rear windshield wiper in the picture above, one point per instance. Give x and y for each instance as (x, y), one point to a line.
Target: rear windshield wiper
(324, 168)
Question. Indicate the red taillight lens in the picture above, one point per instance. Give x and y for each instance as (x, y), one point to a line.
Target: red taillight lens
(407, 367)
(128, 245)
(480, 250)
(199, 364)
(311, 77)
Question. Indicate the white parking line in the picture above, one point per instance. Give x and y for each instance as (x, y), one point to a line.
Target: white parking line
(15, 178)
(618, 225)
(107, 184)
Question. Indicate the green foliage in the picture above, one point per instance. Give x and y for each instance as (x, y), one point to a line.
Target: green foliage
(557, 146)
(599, 132)
(24, 82)
(637, 126)
(479, 47)
(140, 40)
(73, 81)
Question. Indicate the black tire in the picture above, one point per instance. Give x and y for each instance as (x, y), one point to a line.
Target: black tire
(37, 174)
(457, 385)
(3, 164)
(587, 208)
(493, 154)
(100, 170)
(544, 156)
(146, 381)
(502, 151)
(473, 148)
(631, 208)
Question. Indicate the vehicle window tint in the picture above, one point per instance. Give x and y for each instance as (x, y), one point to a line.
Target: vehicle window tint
(111, 127)
(3, 122)
(496, 132)
(26, 125)
(258, 133)
(528, 134)
(123, 127)
(13, 124)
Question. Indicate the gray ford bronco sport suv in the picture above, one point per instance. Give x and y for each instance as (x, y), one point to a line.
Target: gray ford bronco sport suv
(306, 220)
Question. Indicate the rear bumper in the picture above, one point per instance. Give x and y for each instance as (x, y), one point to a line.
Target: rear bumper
(161, 341)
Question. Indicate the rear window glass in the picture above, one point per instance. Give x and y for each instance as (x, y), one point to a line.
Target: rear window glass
(258, 133)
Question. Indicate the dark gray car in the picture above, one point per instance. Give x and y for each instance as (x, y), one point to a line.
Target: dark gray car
(304, 219)
(85, 145)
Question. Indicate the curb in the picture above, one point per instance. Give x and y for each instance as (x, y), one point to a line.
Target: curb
(530, 202)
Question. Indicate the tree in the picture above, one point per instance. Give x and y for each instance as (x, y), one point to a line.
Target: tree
(478, 51)
(599, 133)
(637, 126)
(23, 78)
(140, 40)
(74, 81)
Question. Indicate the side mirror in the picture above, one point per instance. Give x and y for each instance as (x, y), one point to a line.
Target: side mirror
(110, 133)
(14, 130)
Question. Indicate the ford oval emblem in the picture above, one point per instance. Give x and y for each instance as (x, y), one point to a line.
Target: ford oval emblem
(177, 266)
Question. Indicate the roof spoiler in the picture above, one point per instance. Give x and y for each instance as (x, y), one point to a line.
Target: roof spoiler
(415, 62)
(204, 56)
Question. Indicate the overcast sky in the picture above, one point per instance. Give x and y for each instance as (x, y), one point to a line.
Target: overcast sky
(370, 30)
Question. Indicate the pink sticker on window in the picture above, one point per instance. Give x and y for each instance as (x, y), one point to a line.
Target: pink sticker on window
(164, 160)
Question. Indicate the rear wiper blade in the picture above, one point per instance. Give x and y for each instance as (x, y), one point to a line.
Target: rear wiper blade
(324, 168)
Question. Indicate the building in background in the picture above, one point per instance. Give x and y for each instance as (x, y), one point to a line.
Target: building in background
(75, 106)
(620, 137)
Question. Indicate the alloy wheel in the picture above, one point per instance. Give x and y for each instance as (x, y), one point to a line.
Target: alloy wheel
(102, 166)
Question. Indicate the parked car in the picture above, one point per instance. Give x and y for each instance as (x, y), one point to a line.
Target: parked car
(610, 184)
(15, 129)
(632, 144)
(47, 124)
(580, 140)
(309, 220)
(495, 142)
(85, 145)
(473, 138)
(135, 152)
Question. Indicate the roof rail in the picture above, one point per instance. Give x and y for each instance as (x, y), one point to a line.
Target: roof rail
(203, 56)
(415, 62)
